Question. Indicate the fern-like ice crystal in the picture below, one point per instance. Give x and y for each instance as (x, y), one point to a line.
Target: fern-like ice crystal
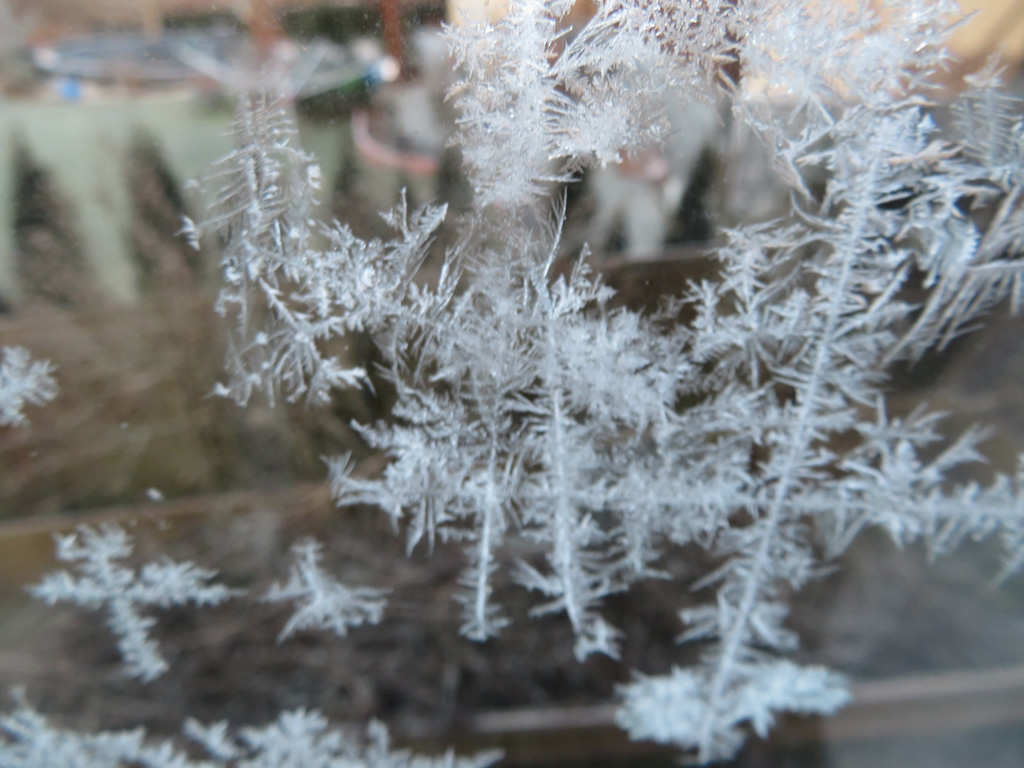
(23, 381)
(124, 593)
(296, 738)
(568, 442)
(322, 601)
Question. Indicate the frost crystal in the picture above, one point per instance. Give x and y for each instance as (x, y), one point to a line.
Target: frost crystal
(296, 738)
(323, 602)
(290, 283)
(23, 382)
(567, 442)
(123, 592)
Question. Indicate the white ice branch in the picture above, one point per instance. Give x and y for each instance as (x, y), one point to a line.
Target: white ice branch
(103, 582)
(322, 602)
(23, 381)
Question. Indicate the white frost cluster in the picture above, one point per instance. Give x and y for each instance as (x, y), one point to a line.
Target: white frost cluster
(291, 283)
(296, 739)
(673, 708)
(103, 582)
(568, 443)
(23, 381)
(124, 593)
(535, 416)
(322, 601)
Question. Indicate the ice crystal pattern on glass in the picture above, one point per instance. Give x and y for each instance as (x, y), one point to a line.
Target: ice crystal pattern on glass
(296, 738)
(103, 582)
(23, 381)
(528, 408)
(322, 601)
(534, 416)
(284, 294)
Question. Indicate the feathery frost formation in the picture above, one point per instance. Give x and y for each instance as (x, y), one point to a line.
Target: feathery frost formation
(105, 582)
(324, 602)
(123, 592)
(23, 381)
(532, 416)
(296, 738)
(789, 346)
(284, 292)
(529, 409)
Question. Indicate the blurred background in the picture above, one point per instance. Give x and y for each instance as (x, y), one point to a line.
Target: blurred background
(107, 109)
